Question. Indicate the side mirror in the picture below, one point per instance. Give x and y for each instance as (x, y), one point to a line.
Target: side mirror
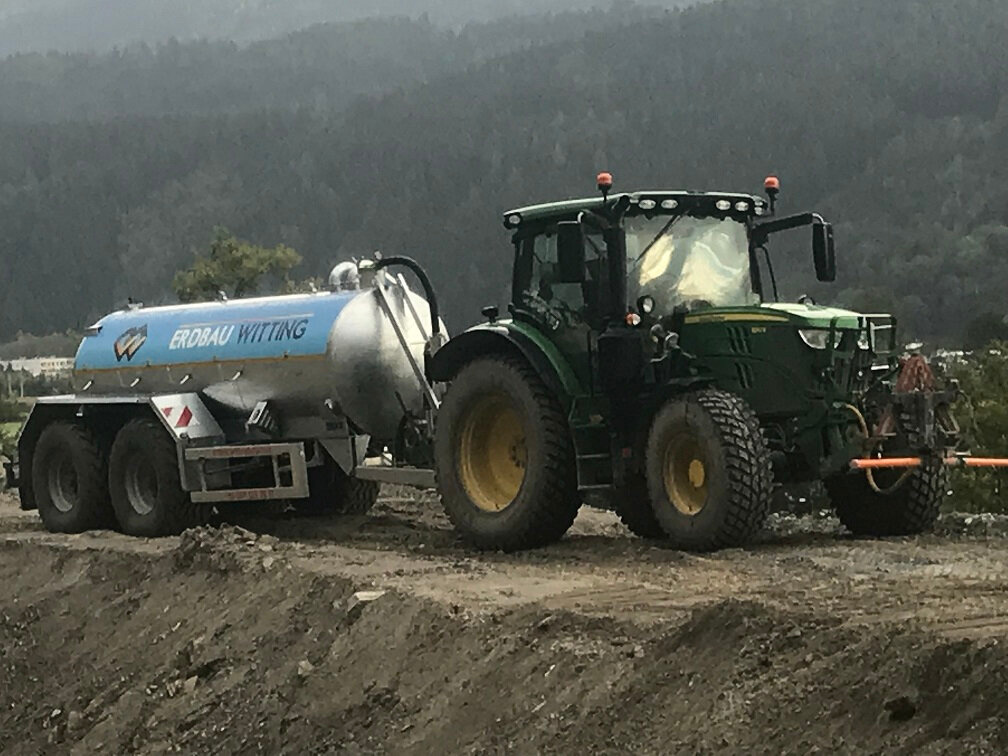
(570, 252)
(823, 251)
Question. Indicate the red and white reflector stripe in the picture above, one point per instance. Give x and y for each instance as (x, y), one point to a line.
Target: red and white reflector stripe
(185, 418)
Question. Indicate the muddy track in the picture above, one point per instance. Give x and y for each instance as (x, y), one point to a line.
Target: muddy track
(249, 637)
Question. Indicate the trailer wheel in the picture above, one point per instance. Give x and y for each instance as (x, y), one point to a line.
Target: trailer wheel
(708, 471)
(633, 506)
(145, 486)
(69, 480)
(911, 509)
(332, 491)
(504, 457)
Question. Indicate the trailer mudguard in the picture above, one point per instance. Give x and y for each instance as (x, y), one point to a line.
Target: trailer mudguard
(184, 416)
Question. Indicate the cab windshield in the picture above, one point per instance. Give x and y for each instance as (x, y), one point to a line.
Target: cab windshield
(684, 260)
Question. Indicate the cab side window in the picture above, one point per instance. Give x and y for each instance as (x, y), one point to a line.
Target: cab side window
(538, 285)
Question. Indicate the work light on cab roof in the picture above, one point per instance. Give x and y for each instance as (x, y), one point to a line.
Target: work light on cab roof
(772, 186)
(604, 182)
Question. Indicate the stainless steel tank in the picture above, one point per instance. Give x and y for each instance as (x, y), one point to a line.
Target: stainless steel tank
(299, 352)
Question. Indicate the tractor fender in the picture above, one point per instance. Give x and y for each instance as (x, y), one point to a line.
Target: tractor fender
(501, 338)
(679, 386)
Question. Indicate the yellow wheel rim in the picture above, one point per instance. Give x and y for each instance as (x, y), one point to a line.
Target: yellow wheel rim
(491, 453)
(685, 475)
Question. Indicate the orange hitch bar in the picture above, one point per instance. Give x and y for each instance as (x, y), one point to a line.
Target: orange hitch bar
(905, 462)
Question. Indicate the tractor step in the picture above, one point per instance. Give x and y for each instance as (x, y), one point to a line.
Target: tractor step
(593, 459)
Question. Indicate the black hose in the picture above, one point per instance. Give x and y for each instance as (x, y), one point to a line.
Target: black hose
(421, 274)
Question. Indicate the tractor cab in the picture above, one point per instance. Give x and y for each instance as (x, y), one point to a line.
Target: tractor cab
(649, 256)
(630, 274)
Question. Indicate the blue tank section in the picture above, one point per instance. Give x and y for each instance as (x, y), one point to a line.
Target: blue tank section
(248, 329)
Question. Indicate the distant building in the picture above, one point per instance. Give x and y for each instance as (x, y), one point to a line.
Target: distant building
(48, 367)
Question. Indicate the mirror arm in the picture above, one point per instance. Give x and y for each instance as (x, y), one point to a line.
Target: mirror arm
(769, 264)
(764, 229)
(754, 268)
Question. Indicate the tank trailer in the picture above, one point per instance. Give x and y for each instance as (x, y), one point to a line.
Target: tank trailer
(645, 358)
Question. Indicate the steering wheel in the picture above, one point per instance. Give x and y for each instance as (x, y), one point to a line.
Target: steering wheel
(699, 304)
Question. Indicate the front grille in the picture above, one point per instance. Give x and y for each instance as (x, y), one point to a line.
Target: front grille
(745, 375)
(738, 340)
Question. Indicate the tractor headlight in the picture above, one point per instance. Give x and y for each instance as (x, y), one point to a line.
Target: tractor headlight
(818, 338)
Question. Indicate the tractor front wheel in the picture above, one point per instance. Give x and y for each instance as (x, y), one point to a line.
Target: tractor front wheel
(909, 510)
(504, 457)
(708, 471)
(632, 505)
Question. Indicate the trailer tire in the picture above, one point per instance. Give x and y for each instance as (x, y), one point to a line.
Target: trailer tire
(910, 510)
(332, 491)
(708, 471)
(69, 480)
(632, 505)
(504, 457)
(145, 485)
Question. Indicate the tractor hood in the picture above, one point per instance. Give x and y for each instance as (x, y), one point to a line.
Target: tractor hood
(817, 316)
(807, 315)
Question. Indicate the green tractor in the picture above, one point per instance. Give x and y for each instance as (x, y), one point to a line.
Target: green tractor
(646, 358)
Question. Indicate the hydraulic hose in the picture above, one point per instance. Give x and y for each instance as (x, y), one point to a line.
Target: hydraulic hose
(421, 274)
(869, 474)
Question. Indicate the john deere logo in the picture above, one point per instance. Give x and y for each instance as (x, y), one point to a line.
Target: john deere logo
(130, 342)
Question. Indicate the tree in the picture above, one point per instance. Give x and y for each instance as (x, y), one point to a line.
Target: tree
(234, 267)
(983, 413)
(984, 328)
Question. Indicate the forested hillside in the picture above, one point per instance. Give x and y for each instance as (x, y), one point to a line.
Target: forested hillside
(321, 68)
(79, 25)
(891, 118)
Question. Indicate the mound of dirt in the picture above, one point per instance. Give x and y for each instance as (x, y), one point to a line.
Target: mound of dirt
(382, 633)
(220, 644)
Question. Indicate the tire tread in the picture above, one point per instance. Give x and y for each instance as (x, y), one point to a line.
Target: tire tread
(747, 460)
(551, 515)
(92, 476)
(910, 510)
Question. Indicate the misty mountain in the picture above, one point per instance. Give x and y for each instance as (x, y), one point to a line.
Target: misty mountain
(321, 68)
(893, 121)
(80, 25)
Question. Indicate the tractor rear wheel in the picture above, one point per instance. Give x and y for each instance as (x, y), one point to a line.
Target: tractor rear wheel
(69, 480)
(909, 510)
(708, 471)
(504, 457)
(145, 485)
(332, 491)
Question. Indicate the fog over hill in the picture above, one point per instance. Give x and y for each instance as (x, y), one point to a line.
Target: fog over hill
(77, 25)
(321, 68)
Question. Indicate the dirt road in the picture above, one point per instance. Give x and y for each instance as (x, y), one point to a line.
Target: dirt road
(242, 639)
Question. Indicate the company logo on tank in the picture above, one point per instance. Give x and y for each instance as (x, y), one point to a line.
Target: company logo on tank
(255, 332)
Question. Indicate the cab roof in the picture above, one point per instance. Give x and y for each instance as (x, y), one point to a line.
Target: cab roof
(570, 208)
